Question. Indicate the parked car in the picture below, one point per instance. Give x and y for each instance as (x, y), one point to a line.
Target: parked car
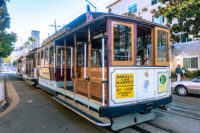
(184, 88)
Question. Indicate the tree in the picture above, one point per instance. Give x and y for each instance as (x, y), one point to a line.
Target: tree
(185, 12)
(6, 43)
(4, 16)
(6, 39)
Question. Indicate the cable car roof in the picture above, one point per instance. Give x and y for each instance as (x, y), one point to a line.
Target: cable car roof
(80, 22)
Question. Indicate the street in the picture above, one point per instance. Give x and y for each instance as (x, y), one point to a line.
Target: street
(38, 113)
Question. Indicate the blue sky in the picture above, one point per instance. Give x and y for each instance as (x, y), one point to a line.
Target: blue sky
(27, 15)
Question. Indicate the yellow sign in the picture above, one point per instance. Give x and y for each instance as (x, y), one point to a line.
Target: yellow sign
(124, 85)
(162, 83)
(44, 73)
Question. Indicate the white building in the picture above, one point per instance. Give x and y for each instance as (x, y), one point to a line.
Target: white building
(184, 52)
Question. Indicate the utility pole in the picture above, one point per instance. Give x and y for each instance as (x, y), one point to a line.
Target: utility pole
(55, 26)
(92, 5)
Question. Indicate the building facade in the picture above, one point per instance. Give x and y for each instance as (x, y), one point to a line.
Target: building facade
(186, 52)
(36, 35)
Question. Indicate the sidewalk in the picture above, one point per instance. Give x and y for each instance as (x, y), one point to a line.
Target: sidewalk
(3, 102)
(12, 96)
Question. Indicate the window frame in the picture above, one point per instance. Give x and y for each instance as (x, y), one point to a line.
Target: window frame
(133, 8)
(157, 1)
(58, 47)
(42, 64)
(53, 54)
(189, 57)
(39, 62)
(123, 63)
(156, 29)
(46, 64)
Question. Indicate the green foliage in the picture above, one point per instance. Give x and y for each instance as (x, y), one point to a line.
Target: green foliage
(6, 43)
(173, 74)
(6, 39)
(4, 16)
(188, 74)
(187, 12)
(192, 74)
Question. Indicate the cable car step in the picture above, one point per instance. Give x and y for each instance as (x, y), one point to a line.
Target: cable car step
(87, 116)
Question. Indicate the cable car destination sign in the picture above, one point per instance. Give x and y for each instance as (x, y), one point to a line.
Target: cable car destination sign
(124, 85)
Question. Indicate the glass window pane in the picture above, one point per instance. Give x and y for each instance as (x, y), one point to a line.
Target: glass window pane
(186, 63)
(42, 58)
(46, 56)
(194, 62)
(51, 54)
(59, 56)
(68, 58)
(80, 56)
(122, 43)
(162, 46)
(38, 58)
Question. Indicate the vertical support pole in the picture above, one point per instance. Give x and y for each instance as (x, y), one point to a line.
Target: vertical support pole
(75, 63)
(54, 59)
(65, 66)
(85, 59)
(89, 63)
(103, 76)
(71, 72)
(61, 63)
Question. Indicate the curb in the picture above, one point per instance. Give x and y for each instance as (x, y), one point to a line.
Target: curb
(4, 103)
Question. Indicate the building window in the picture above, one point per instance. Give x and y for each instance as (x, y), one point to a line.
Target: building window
(191, 63)
(159, 20)
(153, 2)
(185, 39)
(132, 8)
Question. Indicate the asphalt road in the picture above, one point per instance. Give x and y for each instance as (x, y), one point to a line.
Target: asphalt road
(38, 113)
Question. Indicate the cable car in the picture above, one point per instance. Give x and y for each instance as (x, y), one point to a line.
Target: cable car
(111, 69)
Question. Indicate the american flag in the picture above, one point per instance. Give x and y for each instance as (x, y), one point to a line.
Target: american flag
(89, 16)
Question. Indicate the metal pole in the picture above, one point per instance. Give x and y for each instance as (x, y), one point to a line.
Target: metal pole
(71, 60)
(61, 63)
(103, 76)
(85, 60)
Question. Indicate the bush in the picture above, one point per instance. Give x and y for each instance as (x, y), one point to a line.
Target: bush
(173, 75)
(188, 74)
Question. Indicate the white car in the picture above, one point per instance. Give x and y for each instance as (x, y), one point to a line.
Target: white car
(183, 88)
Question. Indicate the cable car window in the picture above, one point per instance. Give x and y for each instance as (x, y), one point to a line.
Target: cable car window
(80, 56)
(46, 56)
(38, 58)
(162, 46)
(42, 57)
(59, 52)
(68, 58)
(122, 43)
(51, 55)
(96, 53)
(144, 47)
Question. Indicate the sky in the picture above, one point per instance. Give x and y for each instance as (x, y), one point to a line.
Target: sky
(27, 15)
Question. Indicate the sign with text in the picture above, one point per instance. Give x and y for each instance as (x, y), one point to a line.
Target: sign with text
(44, 73)
(124, 85)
